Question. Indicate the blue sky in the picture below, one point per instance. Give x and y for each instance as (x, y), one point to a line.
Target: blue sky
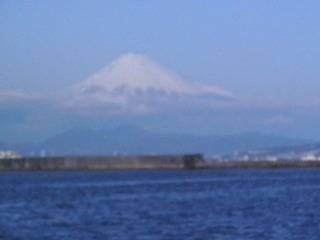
(266, 53)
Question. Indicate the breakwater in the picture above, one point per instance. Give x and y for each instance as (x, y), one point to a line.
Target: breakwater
(191, 161)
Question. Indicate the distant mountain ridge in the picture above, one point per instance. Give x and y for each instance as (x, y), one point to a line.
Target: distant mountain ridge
(129, 140)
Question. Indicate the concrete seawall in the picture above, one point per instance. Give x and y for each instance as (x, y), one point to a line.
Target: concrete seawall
(102, 163)
(192, 161)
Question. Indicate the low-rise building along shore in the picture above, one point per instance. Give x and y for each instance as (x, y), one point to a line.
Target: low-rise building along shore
(9, 155)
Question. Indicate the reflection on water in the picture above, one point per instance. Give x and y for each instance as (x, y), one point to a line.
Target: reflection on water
(207, 204)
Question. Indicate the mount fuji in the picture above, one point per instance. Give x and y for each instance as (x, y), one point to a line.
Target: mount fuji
(135, 84)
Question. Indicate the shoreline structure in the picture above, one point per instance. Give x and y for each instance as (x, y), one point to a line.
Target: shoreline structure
(104, 163)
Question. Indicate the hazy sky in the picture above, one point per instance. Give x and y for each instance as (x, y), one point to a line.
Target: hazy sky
(265, 53)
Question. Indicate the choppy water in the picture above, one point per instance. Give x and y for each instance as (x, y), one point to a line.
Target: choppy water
(152, 205)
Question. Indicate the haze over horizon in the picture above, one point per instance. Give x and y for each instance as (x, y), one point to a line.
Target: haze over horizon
(201, 67)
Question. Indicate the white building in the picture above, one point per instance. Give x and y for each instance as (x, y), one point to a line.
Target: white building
(310, 157)
(8, 154)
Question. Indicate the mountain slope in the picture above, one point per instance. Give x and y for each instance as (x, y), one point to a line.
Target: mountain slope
(135, 74)
(133, 84)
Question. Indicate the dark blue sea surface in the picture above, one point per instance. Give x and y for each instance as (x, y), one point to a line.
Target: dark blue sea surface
(154, 205)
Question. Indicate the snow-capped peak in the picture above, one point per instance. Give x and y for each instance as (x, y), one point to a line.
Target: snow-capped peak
(135, 74)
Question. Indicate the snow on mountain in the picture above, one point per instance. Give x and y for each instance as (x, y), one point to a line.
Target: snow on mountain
(133, 83)
(135, 74)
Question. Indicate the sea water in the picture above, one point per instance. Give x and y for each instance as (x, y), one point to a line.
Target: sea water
(154, 205)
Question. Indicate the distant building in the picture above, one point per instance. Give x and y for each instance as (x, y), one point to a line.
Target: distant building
(9, 154)
(310, 157)
(271, 158)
